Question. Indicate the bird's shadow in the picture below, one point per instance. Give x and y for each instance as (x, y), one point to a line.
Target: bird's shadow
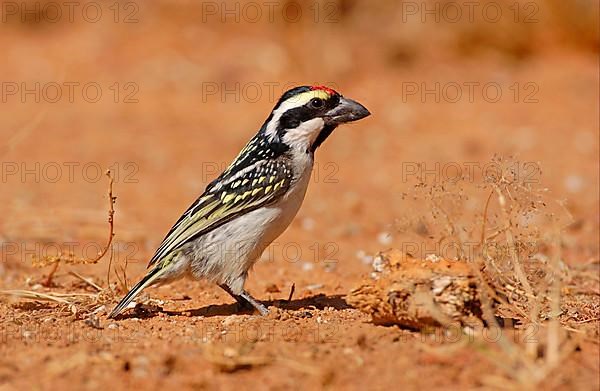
(319, 301)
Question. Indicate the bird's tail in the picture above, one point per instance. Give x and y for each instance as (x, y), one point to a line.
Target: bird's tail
(144, 282)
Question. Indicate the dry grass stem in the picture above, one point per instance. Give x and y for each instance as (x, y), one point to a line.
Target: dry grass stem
(70, 258)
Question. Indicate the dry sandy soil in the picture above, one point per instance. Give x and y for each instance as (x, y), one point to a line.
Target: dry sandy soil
(171, 139)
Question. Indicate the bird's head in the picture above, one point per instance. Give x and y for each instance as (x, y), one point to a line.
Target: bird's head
(305, 116)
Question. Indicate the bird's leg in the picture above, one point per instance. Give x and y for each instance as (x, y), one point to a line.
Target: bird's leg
(255, 303)
(246, 301)
(243, 304)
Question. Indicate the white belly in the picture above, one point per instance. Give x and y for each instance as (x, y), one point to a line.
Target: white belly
(225, 254)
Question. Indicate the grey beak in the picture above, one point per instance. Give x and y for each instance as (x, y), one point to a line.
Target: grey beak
(347, 110)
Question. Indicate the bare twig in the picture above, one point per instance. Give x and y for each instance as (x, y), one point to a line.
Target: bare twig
(125, 272)
(51, 274)
(70, 258)
(53, 296)
(111, 214)
(108, 271)
(86, 280)
(292, 290)
(511, 244)
(483, 222)
(552, 358)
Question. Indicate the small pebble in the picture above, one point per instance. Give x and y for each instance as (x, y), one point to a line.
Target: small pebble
(304, 314)
(378, 264)
(432, 258)
(99, 309)
(384, 238)
(313, 287)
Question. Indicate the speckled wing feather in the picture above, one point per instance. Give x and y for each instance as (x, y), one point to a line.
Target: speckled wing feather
(230, 196)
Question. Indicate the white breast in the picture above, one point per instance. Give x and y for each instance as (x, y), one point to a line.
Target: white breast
(225, 254)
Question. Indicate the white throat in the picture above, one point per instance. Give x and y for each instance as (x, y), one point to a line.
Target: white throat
(302, 137)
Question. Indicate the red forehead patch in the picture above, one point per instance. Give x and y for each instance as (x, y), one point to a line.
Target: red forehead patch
(324, 88)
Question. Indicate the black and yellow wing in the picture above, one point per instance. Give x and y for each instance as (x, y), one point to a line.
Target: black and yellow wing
(231, 196)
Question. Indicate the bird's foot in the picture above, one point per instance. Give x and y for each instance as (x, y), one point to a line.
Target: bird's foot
(255, 303)
(246, 302)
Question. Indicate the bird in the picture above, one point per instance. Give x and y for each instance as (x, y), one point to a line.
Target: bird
(253, 201)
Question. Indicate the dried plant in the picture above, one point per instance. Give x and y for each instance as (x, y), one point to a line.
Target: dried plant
(70, 258)
(508, 229)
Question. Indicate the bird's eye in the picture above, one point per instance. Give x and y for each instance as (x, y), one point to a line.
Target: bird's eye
(316, 103)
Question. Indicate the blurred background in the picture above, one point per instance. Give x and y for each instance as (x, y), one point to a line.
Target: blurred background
(166, 93)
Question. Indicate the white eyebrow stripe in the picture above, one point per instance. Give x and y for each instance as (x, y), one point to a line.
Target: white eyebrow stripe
(291, 103)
